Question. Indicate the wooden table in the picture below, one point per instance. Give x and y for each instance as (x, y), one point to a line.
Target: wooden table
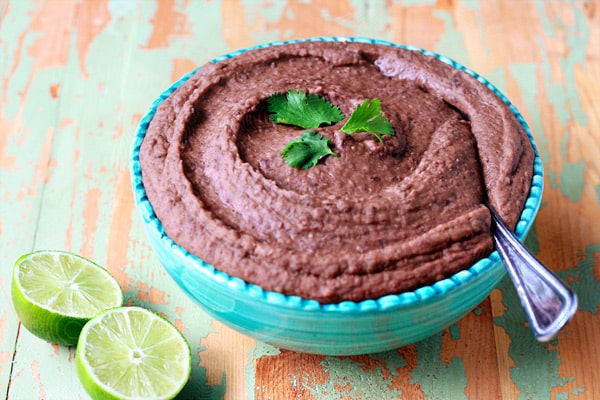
(75, 78)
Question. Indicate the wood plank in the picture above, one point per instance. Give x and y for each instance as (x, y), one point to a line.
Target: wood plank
(26, 106)
(75, 77)
(392, 374)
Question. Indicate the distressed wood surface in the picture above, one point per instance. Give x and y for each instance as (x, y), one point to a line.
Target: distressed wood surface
(76, 76)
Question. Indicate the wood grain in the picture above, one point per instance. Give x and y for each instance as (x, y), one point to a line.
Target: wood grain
(76, 76)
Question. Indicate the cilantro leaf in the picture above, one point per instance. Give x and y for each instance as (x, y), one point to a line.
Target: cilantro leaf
(367, 117)
(306, 111)
(304, 152)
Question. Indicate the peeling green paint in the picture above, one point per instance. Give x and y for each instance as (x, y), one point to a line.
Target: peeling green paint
(532, 241)
(582, 280)
(409, 3)
(525, 75)
(530, 355)
(350, 378)
(372, 19)
(497, 77)
(577, 37)
(475, 6)
(563, 95)
(536, 364)
(198, 387)
(265, 12)
(272, 11)
(452, 43)
(260, 349)
(11, 42)
(535, 373)
(438, 379)
(454, 332)
(578, 390)
(572, 178)
(543, 15)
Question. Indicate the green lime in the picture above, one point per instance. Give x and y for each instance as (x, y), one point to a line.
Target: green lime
(132, 353)
(55, 293)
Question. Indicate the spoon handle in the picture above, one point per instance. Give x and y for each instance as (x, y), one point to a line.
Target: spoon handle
(548, 302)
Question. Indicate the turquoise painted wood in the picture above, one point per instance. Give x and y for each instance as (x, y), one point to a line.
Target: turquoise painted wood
(76, 77)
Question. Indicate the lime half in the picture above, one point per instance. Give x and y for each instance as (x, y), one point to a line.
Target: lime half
(132, 353)
(55, 293)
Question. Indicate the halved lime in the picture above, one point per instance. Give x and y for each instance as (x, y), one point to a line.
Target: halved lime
(132, 353)
(55, 293)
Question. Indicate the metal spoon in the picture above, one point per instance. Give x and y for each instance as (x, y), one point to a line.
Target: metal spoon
(548, 302)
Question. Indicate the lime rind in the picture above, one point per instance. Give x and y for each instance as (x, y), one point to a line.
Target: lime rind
(50, 326)
(53, 310)
(131, 352)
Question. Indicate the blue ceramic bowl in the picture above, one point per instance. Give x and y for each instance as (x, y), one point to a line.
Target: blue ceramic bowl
(306, 325)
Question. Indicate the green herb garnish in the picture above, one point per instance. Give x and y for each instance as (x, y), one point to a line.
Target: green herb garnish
(304, 152)
(310, 111)
(303, 110)
(367, 117)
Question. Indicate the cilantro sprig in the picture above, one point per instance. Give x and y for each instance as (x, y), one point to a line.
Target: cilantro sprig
(304, 110)
(306, 151)
(367, 117)
(311, 111)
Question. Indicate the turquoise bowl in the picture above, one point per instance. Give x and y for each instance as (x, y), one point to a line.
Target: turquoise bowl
(305, 325)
